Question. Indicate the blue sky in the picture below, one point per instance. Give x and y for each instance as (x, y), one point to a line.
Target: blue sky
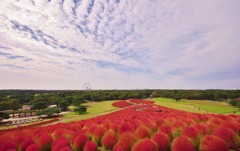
(119, 44)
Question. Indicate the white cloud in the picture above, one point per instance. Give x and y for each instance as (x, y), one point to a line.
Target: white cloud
(130, 44)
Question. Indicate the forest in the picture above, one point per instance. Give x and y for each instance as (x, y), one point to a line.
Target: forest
(14, 99)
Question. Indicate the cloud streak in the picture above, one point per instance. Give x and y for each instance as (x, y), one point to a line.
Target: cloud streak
(120, 44)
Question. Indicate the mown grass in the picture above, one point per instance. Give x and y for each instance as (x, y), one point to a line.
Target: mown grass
(197, 106)
(94, 109)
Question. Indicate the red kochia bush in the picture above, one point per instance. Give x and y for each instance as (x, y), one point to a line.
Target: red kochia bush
(142, 132)
(191, 132)
(24, 145)
(7, 146)
(125, 127)
(162, 141)
(60, 143)
(109, 139)
(44, 141)
(125, 142)
(79, 142)
(122, 104)
(228, 136)
(144, 145)
(182, 143)
(98, 134)
(33, 147)
(90, 146)
(213, 143)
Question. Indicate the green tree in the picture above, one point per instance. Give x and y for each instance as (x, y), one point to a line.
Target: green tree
(81, 109)
(78, 100)
(63, 105)
(40, 105)
(49, 111)
(4, 115)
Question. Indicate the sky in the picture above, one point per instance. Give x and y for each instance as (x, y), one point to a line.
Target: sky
(119, 44)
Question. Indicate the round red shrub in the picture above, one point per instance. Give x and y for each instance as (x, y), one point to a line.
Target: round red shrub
(142, 132)
(80, 141)
(7, 145)
(90, 146)
(228, 135)
(44, 141)
(213, 143)
(144, 145)
(60, 143)
(98, 134)
(66, 149)
(125, 142)
(33, 147)
(190, 132)
(24, 145)
(109, 139)
(182, 143)
(125, 127)
(162, 141)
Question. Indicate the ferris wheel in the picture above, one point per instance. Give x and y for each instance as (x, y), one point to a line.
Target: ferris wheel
(86, 86)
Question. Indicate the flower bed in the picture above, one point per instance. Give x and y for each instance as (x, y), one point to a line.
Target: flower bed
(129, 129)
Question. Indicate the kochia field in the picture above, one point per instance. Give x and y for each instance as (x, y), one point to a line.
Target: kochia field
(139, 126)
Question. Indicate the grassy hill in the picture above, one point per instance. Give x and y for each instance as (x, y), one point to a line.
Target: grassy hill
(197, 106)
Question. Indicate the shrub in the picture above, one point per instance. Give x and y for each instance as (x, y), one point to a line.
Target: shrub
(109, 139)
(212, 143)
(90, 146)
(162, 141)
(80, 141)
(228, 136)
(125, 142)
(144, 145)
(182, 143)
(142, 132)
(81, 109)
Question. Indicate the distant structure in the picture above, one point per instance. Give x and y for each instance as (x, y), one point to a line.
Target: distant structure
(26, 107)
(87, 86)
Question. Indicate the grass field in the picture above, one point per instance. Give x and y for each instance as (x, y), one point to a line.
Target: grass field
(94, 109)
(197, 106)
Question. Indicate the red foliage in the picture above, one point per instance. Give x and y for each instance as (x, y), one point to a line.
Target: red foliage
(33, 147)
(142, 132)
(109, 139)
(80, 141)
(60, 143)
(191, 132)
(182, 143)
(144, 145)
(123, 129)
(213, 143)
(122, 104)
(125, 142)
(228, 135)
(90, 146)
(98, 134)
(24, 145)
(7, 146)
(44, 141)
(162, 141)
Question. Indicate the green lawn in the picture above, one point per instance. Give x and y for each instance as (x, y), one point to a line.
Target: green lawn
(197, 106)
(94, 109)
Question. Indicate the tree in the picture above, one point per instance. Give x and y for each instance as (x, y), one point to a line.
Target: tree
(4, 115)
(78, 100)
(63, 105)
(177, 97)
(81, 109)
(49, 111)
(40, 105)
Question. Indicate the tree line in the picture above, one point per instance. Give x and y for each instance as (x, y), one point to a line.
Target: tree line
(14, 99)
